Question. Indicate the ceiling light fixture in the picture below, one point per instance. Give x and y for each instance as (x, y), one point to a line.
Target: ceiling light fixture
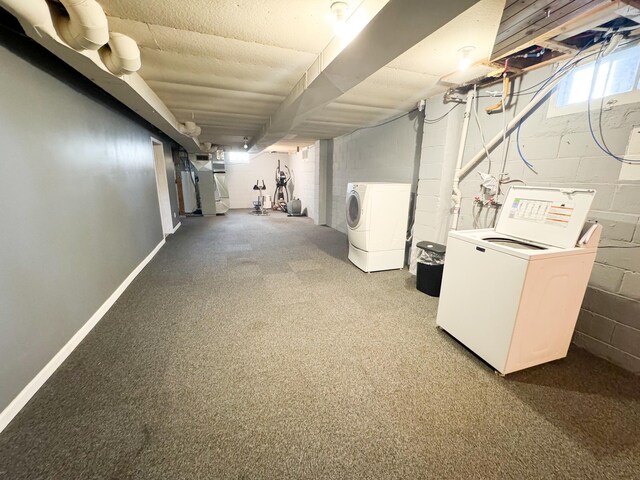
(340, 11)
(246, 143)
(464, 57)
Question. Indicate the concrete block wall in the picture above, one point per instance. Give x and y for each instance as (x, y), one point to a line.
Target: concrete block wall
(306, 179)
(563, 154)
(386, 153)
(314, 189)
(435, 176)
(323, 151)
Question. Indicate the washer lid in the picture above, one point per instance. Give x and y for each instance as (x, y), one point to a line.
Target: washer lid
(547, 215)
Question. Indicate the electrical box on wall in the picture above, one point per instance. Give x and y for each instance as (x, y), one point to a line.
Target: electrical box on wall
(629, 171)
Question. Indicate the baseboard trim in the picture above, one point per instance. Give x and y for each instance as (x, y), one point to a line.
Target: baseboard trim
(175, 229)
(34, 385)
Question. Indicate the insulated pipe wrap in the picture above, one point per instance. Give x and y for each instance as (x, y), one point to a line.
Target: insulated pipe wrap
(190, 128)
(122, 56)
(87, 27)
(33, 14)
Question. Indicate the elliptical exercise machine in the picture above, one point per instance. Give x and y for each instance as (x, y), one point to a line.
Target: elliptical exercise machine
(281, 194)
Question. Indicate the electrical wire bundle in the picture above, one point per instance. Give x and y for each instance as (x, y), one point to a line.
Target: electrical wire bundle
(565, 69)
(602, 146)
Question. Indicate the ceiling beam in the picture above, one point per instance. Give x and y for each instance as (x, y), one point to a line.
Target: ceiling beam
(397, 27)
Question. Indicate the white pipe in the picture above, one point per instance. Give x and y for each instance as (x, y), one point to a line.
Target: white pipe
(451, 135)
(122, 56)
(613, 44)
(190, 128)
(532, 105)
(86, 28)
(35, 14)
(457, 194)
(37, 19)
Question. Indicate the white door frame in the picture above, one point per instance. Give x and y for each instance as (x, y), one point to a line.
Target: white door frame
(162, 185)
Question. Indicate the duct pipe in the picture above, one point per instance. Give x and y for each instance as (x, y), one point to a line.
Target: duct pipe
(86, 28)
(457, 194)
(122, 55)
(495, 141)
(34, 14)
(190, 129)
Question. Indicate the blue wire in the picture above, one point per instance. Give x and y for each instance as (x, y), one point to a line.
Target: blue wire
(562, 68)
(601, 147)
(520, 151)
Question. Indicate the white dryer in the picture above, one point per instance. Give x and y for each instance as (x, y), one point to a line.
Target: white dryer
(512, 294)
(377, 216)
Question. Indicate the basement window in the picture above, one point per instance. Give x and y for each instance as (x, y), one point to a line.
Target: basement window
(237, 157)
(616, 83)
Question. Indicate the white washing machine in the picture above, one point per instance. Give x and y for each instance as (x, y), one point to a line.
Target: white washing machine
(377, 216)
(512, 294)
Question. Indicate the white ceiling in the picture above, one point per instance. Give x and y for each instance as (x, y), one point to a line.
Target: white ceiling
(228, 64)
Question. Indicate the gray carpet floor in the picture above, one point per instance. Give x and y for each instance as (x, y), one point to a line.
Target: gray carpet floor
(251, 348)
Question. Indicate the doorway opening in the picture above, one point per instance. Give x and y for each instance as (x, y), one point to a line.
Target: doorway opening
(163, 187)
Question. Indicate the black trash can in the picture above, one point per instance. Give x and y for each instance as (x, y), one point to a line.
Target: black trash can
(430, 267)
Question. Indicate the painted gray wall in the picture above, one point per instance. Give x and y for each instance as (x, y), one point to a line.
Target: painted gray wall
(167, 146)
(79, 202)
(562, 151)
(387, 153)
